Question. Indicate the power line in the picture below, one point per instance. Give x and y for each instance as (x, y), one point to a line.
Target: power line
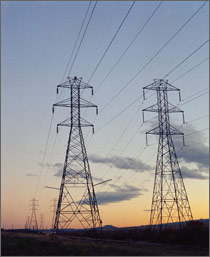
(76, 40)
(133, 78)
(194, 98)
(82, 37)
(195, 132)
(49, 163)
(118, 114)
(117, 141)
(61, 92)
(190, 69)
(194, 94)
(128, 125)
(188, 134)
(153, 57)
(99, 43)
(111, 41)
(154, 143)
(197, 118)
(199, 143)
(131, 43)
(197, 49)
(45, 150)
(128, 106)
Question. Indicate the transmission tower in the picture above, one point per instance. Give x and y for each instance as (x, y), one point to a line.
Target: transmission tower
(27, 222)
(33, 225)
(53, 206)
(77, 204)
(169, 201)
(41, 227)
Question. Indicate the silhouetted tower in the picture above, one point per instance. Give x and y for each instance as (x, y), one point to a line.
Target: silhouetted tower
(169, 201)
(41, 227)
(27, 222)
(33, 225)
(77, 205)
(53, 206)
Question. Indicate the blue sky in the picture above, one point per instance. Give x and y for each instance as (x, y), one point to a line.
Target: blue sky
(37, 40)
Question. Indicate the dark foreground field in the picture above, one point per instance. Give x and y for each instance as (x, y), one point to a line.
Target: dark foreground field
(21, 244)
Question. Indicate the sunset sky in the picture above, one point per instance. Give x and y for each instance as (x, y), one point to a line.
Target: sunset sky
(37, 39)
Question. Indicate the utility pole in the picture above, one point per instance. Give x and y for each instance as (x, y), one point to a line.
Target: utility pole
(33, 225)
(77, 205)
(169, 201)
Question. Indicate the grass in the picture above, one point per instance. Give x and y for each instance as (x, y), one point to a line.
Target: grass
(21, 244)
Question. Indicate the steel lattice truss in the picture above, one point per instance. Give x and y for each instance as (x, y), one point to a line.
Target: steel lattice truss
(169, 201)
(77, 204)
(33, 224)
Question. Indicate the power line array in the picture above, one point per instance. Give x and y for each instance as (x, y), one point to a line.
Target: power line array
(170, 203)
(77, 204)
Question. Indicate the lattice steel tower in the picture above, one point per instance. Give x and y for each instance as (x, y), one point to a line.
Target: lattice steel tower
(77, 204)
(53, 206)
(41, 226)
(33, 224)
(169, 201)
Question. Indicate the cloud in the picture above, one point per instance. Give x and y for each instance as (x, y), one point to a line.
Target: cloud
(192, 173)
(58, 165)
(59, 173)
(44, 164)
(97, 179)
(121, 162)
(196, 153)
(31, 175)
(119, 194)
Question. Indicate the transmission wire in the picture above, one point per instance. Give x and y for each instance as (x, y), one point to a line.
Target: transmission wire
(190, 69)
(82, 37)
(197, 49)
(131, 43)
(152, 58)
(111, 41)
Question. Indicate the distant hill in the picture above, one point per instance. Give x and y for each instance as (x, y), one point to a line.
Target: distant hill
(109, 227)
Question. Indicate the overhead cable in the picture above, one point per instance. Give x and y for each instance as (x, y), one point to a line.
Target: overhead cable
(131, 43)
(111, 41)
(153, 57)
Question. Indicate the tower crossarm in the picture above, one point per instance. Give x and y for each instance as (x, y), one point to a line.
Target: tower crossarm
(83, 123)
(157, 131)
(161, 85)
(67, 103)
(74, 83)
(171, 108)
